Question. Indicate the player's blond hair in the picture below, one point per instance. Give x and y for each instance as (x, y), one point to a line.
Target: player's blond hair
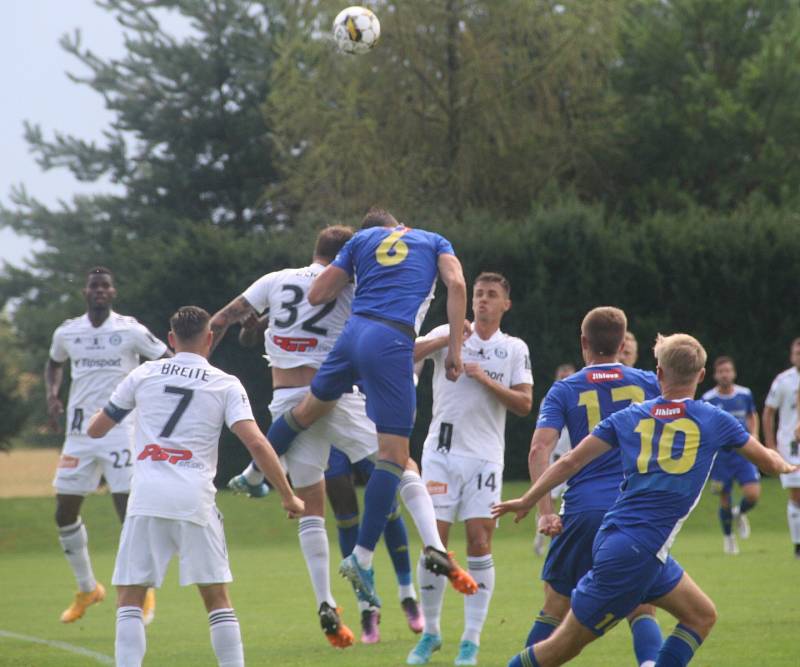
(680, 356)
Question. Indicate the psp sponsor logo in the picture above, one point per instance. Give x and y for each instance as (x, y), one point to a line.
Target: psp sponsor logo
(168, 454)
(289, 344)
(604, 375)
(668, 411)
(437, 488)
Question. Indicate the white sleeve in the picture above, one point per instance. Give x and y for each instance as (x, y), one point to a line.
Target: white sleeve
(58, 351)
(237, 404)
(774, 396)
(147, 345)
(436, 332)
(521, 372)
(257, 295)
(124, 396)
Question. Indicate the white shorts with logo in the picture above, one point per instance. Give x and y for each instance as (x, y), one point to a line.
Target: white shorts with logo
(148, 543)
(461, 487)
(791, 480)
(347, 427)
(84, 459)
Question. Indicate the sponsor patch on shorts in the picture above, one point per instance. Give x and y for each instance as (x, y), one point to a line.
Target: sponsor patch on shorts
(436, 488)
(67, 461)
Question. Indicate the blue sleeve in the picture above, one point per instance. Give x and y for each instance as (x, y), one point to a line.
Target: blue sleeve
(751, 404)
(607, 432)
(344, 260)
(731, 433)
(552, 412)
(443, 246)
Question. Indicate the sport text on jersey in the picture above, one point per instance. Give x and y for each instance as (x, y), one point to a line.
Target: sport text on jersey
(668, 411)
(605, 375)
(97, 363)
(193, 373)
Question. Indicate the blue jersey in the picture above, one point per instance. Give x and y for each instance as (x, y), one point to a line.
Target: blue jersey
(580, 402)
(395, 270)
(740, 403)
(668, 448)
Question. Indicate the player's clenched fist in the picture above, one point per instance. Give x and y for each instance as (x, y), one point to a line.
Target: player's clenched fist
(55, 409)
(453, 366)
(294, 506)
(550, 525)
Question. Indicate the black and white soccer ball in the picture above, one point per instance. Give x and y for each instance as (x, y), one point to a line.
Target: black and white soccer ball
(356, 30)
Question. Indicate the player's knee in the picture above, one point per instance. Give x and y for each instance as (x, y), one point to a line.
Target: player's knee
(703, 618)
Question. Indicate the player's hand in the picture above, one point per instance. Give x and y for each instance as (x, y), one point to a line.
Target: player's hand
(250, 322)
(550, 525)
(294, 506)
(473, 370)
(55, 410)
(519, 506)
(467, 329)
(453, 366)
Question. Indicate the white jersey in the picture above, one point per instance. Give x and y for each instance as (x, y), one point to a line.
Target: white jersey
(467, 419)
(783, 398)
(299, 334)
(181, 404)
(100, 358)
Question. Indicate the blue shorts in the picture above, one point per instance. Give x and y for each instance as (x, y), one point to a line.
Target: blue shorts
(339, 464)
(570, 553)
(623, 576)
(729, 467)
(379, 358)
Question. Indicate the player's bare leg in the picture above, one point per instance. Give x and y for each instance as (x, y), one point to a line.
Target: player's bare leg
(316, 552)
(75, 543)
(130, 643)
(563, 645)
(226, 637)
(696, 616)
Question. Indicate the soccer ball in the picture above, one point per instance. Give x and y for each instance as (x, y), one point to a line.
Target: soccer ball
(356, 30)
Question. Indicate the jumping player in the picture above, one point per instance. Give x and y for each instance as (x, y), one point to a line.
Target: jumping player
(103, 347)
(183, 403)
(579, 403)
(668, 445)
(729, 466)
(462, 459)
(395, 268)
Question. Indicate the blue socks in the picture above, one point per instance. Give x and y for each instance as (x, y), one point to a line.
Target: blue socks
(745, 506)
(524, 659)
(646, 638)
(543, 627)
(726, 519)
(347, 526)
(282, 432)
(379, 499)
(396, 539)
(679, 648)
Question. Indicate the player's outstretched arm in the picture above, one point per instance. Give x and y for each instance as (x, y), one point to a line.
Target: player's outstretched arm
(237, 310)
(53, 377)
(452, 276)
(267, 460)
(768, 460)
(589, 449)
(543, 443)
(327, 285)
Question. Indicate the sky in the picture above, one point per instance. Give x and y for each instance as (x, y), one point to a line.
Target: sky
(36, 88)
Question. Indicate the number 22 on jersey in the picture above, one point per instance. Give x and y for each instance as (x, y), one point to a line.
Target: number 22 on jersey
(392, 250)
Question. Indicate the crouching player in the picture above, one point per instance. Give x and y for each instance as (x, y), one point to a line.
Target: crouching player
(183, 403)
(668, 445)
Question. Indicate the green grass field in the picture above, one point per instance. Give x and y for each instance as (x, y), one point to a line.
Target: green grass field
(756, 593)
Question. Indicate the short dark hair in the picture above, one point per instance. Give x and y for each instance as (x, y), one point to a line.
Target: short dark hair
(490, 277)
(719, 361)
(99, 271)
(604, 328)
(330, 241)
(189, 322)
(378, 217)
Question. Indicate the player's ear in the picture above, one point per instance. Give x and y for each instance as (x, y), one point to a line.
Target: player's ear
(660, 373)
(701, 375)
(171, 339)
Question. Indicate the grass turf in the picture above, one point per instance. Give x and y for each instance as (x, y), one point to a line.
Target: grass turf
(756, 593)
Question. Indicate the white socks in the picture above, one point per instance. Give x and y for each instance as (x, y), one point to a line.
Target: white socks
(476, 607)
(314, 545)
(253, 475)
(75, 543)
(363, 557)
(406, 591)
(431, 595)
(419, 504)
(793, 515)
(226, 638)
(130, 644)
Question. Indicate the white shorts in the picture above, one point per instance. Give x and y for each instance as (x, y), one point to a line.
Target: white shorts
(461, 487)
(84, 459)
(347, 427)
(148, 543)
(791, 480)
